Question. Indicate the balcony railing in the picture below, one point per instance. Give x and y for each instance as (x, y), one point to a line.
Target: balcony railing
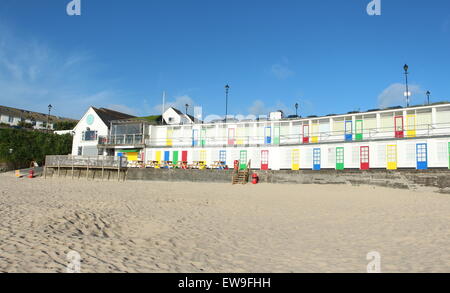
(288, 138)
(125, 139)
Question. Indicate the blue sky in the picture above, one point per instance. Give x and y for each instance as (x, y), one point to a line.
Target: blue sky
(330, 56)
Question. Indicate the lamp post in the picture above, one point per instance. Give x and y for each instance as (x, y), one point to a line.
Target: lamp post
(407, 94)
(227, 88)
(48, 117)
(187, 106)
(428, 97)
(296, 109)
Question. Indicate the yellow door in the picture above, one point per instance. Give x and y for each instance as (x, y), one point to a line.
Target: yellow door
(296, 159)
(169, 140)
(411, 126)
(158, 158)
(315, 133)
(391, 155)
(132, 157)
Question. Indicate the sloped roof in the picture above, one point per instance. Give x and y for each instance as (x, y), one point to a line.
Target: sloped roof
(193, 119)
(108, 115)
(30, 115)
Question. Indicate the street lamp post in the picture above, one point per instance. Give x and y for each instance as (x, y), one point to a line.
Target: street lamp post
(407, 94)
(428, 97)
(187, 106)
(296, 109)
(48, 117)
(227, 88)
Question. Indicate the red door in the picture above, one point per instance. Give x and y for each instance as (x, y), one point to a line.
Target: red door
(305, 133)
(184, 156)
(399, 128)
(230, 136)
(364, 157)
(264, 160)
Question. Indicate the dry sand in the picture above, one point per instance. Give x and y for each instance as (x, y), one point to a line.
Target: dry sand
(201, 227)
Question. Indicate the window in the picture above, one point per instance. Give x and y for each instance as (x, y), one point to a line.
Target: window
(89, 135)
(80, 151)
(10, 119)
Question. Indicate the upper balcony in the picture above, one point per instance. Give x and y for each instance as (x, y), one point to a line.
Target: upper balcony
(123, 140)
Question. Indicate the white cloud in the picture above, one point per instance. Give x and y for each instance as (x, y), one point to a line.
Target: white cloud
(257, 108)
(33, 75)
(281, 70)
(179, 103)
(394, 95)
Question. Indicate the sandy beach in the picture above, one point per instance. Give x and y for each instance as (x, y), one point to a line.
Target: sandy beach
(203, 227)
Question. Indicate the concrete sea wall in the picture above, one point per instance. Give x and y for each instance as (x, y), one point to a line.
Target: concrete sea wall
(403, 179)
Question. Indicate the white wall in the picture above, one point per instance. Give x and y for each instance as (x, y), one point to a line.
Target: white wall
(97, 125)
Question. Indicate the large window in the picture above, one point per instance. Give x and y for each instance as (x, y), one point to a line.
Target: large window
(89, 135)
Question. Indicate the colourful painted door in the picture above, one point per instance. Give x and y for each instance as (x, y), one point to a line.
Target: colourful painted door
(158, 156)
(223, 156)
(231, 137)
(184, 156)
(296, 159)
(316, 159)
(449, 155)
(339, 158)
(276, 135)
(243, 160)
(391, 155)
(175, 157)
(305, 133)
(348, 130)
(315, 133)
(268, 135)
(194, 137)
(203, 156)
(411, 126)
(265, 160)
(422, 156)
(203, 137)
(169, 140)
(399, 127)
(359, 129)
(166, 156)
(364, 158)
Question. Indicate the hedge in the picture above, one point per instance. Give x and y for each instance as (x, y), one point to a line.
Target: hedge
(27, 146)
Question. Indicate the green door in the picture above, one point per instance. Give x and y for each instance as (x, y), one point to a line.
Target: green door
(203, 137)
(339, 158)
(359, 130)
(276, 135)
(175, 157)
(243, 160)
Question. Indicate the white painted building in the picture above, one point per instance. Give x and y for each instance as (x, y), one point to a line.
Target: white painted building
(13, 117)
(414, 137)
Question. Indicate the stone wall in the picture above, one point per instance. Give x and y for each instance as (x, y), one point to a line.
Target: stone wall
(403, 179)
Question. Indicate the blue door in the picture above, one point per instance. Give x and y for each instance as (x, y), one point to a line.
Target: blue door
(166, 156)
(194, 137)
(422, 156)
(223, 156)
(348, 130)
(267, 135)
(316, 159)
